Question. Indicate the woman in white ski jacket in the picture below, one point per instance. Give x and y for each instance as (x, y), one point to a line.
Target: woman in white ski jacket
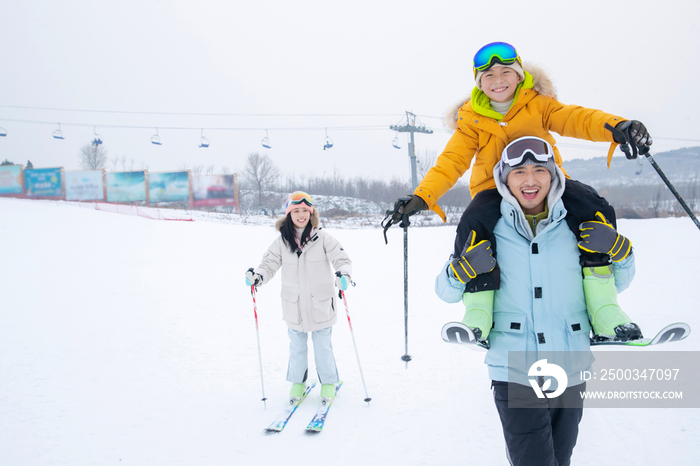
(305, 253)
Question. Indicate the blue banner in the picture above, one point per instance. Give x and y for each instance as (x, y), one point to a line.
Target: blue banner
(43, 182)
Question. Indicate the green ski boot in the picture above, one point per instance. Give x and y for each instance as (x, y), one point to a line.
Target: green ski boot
(608, 320)
(328, 392)
(297, 391)
(478, 315)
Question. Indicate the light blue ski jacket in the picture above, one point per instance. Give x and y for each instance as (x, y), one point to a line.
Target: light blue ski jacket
(540, 307)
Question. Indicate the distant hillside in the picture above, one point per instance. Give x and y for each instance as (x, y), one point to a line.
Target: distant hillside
(635, 189)
(681, 166)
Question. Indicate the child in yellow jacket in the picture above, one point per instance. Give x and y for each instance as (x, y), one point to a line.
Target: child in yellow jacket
(511, 101)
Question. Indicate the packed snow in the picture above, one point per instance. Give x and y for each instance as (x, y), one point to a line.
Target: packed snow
(128, 340)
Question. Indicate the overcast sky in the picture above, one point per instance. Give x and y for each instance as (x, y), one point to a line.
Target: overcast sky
(234, 69)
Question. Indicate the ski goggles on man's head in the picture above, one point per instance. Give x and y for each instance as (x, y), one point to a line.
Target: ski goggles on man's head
(498, 52)
(299, 197)
(517, 151)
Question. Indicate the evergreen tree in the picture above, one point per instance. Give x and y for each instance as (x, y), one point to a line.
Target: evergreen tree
(29, 164)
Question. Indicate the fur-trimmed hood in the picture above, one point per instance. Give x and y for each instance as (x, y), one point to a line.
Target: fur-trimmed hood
(314, 219)
(542, 84)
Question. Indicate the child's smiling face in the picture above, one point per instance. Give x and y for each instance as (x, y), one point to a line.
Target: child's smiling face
(499, 83)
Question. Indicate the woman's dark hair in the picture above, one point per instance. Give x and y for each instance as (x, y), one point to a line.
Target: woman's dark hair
(289, 234)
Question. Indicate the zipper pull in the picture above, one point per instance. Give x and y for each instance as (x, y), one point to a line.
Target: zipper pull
(503, 123)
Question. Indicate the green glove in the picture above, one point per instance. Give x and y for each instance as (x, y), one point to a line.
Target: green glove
(601, 236)
(475, 259)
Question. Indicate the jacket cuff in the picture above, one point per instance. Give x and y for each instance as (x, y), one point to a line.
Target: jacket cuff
(448, 288)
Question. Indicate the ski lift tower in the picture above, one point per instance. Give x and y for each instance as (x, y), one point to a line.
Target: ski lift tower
(412, 126)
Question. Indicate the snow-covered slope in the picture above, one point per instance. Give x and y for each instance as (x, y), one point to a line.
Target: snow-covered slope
(125, 340)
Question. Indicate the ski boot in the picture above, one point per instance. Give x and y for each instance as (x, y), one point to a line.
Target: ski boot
(478, 316)
(327, 393)
(296, 392)
(608, 320)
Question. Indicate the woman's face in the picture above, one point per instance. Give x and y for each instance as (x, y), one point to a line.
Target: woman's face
(300, 217)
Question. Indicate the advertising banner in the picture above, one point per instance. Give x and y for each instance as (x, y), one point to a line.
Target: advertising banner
(10, 180)
(85, 185)
(43, 182)
(169, 187)
(126, 187)
(213, 190)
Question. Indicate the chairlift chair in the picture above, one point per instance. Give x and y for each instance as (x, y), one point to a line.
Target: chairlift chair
(58, 133)
(266, 141)
(155, 139)
(97, 140)
(329, 142)
(203, 142)
(3, 132)
(395, 142)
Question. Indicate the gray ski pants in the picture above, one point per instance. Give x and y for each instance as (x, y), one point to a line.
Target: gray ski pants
(323, 356)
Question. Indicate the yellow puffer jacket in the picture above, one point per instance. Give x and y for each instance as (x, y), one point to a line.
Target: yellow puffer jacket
(535, 112)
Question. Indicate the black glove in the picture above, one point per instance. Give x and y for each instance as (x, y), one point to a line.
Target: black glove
(636, 133)
(409, 204)
(475, 259)
(413, 205)
(601, 236)
(252, 278)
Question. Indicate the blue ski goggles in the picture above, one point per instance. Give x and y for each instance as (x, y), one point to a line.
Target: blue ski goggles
(495, 52)
(531, 147)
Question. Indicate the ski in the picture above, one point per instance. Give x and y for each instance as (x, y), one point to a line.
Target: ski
(292, 406)
(674, 332)
(457, 332)
(316, 424)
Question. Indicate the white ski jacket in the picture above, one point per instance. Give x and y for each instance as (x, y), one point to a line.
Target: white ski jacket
(308, 290)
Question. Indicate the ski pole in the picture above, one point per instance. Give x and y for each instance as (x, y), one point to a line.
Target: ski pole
(352, 334)
(404, 224)
(257, 334)
(621, 136)
(393, 217)
(672, 188)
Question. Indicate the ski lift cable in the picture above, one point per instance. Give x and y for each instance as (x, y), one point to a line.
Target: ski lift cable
(220, 128)
(243, 115)
(205, 114)
(58, 133)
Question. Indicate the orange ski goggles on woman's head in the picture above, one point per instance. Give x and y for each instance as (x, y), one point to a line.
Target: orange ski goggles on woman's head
(298, 197)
